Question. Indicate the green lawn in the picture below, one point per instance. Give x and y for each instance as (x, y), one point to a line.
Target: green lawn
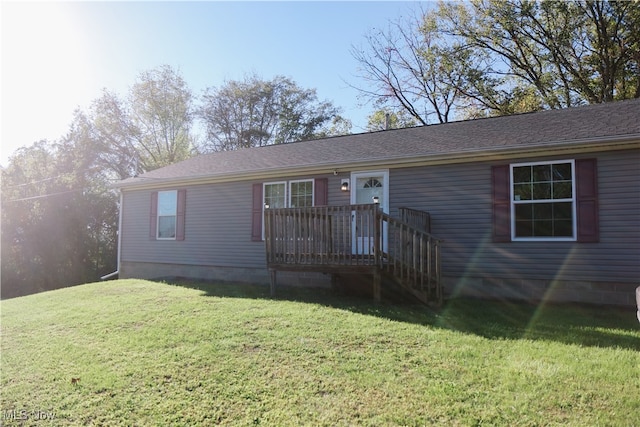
(158, 354)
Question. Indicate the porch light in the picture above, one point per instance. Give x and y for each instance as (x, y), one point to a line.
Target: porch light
(344, 186)
(376, 199)
(266, 205)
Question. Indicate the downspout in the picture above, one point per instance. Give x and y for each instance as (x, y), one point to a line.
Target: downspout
(119, 249)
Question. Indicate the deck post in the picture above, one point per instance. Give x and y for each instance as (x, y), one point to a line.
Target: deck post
(272, 285)
(377, 236)
(377, 284)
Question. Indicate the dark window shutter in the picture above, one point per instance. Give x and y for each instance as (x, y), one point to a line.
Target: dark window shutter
(501, 203)
(180, 214)
(153, 216)
(587, 200)
(256, 213)
(321, 192)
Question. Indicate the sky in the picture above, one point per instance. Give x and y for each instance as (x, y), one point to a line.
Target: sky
(58, 56)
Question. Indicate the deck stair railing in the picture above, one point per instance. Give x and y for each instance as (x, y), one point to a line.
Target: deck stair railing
(347, 238)
(413, 258)
(415, 218)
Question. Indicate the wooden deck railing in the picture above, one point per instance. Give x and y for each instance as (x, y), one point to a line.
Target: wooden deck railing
(413, 257)
(416, 218)
(355, 237)
(325, 235)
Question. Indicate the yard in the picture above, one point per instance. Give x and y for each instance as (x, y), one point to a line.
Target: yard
(147, 353)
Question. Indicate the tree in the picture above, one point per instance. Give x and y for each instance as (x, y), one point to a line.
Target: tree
(28, 171)
(564, 53)
(510, 56)
(149, 129)
(59, 214)
(403, 69)
(254, 112)
(108, 129)
(387, 119)
(337, 126)
(161, 116)
(59, 219)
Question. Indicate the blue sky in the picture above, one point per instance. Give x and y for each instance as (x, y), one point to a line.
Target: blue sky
(58, 56)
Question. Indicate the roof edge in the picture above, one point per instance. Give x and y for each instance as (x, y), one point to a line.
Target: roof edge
(587, 145)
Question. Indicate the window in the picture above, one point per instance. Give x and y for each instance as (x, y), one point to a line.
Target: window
(167, 214)
(275, 195)
(543, 201)
(291, 194)
(300, 194)
(297, 194)
(372, 183)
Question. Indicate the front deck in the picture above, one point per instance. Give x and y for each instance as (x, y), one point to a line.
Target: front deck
(356, 239)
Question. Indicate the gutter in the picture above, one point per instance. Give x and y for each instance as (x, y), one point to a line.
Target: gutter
(119, 248)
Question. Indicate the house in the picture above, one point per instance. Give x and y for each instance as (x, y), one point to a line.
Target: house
(536, 206)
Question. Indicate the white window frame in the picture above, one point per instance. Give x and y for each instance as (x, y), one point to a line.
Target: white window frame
(313, 193)
(264, 191)
(264, 195)
(287, 194)
(514, 202)
(174, 215)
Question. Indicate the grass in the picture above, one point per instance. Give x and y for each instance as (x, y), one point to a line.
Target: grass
(199, 354)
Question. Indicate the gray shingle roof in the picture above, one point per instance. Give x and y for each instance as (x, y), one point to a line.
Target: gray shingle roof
(553, 127)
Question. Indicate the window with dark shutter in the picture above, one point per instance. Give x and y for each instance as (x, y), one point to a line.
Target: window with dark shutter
(543, 200)
(283, 194)
(554, 200)
(167, 215)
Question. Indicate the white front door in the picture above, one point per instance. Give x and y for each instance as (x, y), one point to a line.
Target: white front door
(368, 187)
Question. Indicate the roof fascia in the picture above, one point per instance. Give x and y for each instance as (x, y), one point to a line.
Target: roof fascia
(591, 145)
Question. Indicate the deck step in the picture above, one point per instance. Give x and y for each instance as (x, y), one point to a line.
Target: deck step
(407, 288)
(360, 285)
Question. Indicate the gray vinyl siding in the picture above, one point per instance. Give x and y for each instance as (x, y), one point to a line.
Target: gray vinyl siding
(217, 226)
(459, 200)
(458, 196)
